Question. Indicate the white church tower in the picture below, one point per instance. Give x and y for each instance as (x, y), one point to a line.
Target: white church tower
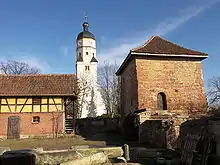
(90, 100)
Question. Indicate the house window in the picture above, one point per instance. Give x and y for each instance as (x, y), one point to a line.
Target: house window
(36, 119)
(86, 67)
(161, 101)
(36, 101)
(87, 53)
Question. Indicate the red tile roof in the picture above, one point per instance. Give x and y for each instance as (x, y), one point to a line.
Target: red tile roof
(37, 85)
(158, 45)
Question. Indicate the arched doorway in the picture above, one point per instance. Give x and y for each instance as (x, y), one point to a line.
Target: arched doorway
(161, 101)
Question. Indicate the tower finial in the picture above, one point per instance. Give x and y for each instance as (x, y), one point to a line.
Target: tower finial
(86, 16)
(85, 24)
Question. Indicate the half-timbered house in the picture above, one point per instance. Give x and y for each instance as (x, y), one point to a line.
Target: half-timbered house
(36, 105)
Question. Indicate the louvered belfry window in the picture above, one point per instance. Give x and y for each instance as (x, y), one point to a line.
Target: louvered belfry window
(87, 68)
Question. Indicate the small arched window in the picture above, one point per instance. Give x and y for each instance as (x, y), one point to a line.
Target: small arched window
(161, 101)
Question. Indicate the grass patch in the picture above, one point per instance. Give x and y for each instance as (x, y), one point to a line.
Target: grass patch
(48, 144)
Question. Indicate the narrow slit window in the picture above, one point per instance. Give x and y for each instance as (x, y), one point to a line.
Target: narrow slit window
(87, 53)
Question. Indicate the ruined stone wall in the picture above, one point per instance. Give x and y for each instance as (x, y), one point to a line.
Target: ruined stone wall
(154, 135)
(129, 89)
(180, 79)
(203, 134)
(153, 128)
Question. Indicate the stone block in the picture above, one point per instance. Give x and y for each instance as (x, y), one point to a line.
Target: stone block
(79, 147)
(97, 158)
(4, 149)
(24, 157)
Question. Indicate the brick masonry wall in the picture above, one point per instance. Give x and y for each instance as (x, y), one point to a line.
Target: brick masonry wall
(181, 80)
(27, 127)
(129, 89)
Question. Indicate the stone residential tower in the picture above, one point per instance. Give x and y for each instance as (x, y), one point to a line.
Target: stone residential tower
(89, 100)
(162, 76)
(161, 87)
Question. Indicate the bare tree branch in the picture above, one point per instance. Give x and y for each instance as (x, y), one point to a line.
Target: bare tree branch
(214, 92)
(17, 67)
(109, 85)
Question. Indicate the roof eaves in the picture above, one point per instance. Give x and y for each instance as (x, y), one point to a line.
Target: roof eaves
(172, 55)
(28, 95)
(36, 75)
(124, 63)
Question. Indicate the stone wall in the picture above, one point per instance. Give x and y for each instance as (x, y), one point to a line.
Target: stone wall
(129, 89)
(161, 128)
(180, 79)
(89, 126)
(204, 134)
(154, 135)
(210, 124)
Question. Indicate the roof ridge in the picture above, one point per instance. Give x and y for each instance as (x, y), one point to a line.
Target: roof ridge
(147, 42)
(168, 47)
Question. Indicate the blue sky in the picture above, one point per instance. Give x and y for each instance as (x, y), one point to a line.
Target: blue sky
(43, 32)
